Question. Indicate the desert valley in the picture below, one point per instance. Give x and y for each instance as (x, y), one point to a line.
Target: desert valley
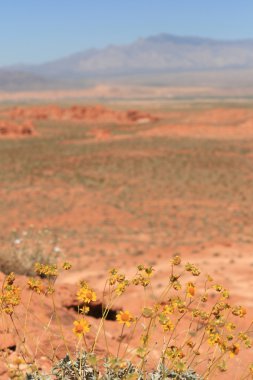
(126, 190)
(116, 185)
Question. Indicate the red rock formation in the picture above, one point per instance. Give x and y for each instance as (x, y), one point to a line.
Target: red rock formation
(9, 128)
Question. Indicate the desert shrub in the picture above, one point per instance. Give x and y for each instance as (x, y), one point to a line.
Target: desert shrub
(26, 248)
(82, 369)
(191, 322)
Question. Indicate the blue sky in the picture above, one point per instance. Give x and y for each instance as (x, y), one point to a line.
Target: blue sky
(41, 30)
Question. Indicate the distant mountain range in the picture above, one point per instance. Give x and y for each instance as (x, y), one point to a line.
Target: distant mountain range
(157, 60)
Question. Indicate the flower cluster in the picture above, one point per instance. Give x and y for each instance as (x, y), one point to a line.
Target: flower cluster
(143, 276)
(118, 281)
(36, 285)
(46, 270)
(85, 295)
(192, 269)
(10, 295)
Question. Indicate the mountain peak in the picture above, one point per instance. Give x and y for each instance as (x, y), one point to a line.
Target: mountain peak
(172, 38)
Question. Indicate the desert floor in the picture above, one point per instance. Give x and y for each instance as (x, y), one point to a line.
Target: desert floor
(106, 187)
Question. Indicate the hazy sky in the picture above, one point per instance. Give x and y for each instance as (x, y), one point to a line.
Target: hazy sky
(40, 30)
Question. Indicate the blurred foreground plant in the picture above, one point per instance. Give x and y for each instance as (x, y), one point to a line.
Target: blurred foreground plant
(190, 326)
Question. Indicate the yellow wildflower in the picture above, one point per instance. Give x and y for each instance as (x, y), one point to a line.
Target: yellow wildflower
(234, 350)
(204, 315)
(36, 285)
(121, 287)
(9, 298)
(168, 326)
(168, 309)
(10, 279)
(120, 278)
(239, 311)
(125, 317)
(225, 294)
(149, 271)
(192, 269)
(174, 352)
(166, 322)
(66, 265)
(246, 339)
(81, 327)
(196, 313)
(190, 289)
(218, 288)
(84, 310)
(46, 270)
(176, 260)
(86, 295)
(190, 343)
(113, 271)
(213, 338)
(230, 326)
(144, 281)
(176, 285)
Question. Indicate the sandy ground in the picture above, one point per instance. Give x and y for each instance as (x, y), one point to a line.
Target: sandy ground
(106, 92)
(118, 217)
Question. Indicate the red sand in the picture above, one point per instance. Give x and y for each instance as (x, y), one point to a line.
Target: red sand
(228, 261)
(14, 129)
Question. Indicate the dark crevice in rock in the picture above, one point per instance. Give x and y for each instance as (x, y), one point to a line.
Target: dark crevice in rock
(96, 311)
